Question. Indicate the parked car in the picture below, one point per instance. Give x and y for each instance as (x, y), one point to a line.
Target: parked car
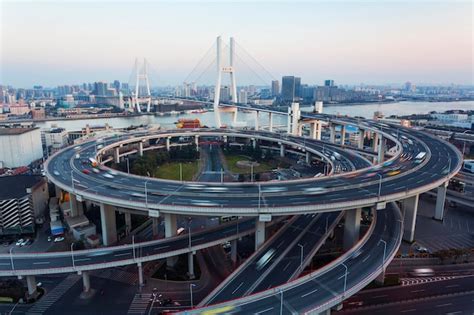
(59, 239)
(18, 243)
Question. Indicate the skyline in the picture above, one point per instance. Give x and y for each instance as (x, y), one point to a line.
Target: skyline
(361, 53)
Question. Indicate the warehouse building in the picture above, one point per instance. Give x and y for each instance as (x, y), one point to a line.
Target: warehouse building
(20, 146)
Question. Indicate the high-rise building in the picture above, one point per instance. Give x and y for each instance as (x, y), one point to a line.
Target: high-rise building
(225, 94)
(329, 83)
(290, 88)
(243, 97)
(117, 85)
(100, 88)
(275, 88)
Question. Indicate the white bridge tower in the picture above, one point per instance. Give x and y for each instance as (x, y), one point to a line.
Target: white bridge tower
(137, 99)
(225, 69)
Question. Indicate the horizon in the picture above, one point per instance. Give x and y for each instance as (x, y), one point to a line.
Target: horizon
(436, 38)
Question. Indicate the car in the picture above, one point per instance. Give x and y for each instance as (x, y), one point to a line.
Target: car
(28, 242)
(314, 190)
(96, 170)
(113, 172)
(77, 148)
(421, 249)
(25, 242)
(58, 239)
(78, 156)
(393, 173)
(422, 272)
(50, 238)
(107, 175)
(18, 243)
(56, 173)
(86, 171)
(265, 259)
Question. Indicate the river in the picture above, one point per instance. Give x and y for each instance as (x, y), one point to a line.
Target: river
(363, 110)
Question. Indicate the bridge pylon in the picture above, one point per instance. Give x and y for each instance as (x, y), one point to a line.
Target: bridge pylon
(230, 69)
(137, 98)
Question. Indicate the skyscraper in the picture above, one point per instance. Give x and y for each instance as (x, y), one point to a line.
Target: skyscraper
(275, 88)
(329, 83)
(116, 85)
(290, 88)
(243, 97)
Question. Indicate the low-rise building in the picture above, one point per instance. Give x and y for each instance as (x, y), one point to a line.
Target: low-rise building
(20, 146)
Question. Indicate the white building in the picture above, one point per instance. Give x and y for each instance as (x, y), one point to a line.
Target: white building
(243, 97)
(54, 139)
(20, 146)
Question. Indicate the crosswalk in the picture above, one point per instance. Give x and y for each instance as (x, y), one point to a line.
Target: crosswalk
(436, 243)
(139, 304)
(413, 281)
(117, 274)
(51, 297)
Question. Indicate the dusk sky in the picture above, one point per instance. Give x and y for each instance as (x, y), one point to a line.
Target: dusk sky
(352, 42)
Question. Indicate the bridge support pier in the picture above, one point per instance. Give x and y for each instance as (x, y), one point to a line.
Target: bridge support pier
(170, 230)
(196, 142)
(259, 233)
(168, 140)
(128, 223)
(360, 144)
(375, 142)
(117, 155)
(381, 149)
(86, 282)
(270, 122)
(31, 283)
(141, 282)
(343, 134)
(233, 251)
(282, 150)
(191, 265)
(254, 143)
(108, 222)
(257, 114)
(76, 206)
(140, 148)
(332, 133)
(440, 201)
(351, 227)
(154, 226)
(410, 208)
(308, 157)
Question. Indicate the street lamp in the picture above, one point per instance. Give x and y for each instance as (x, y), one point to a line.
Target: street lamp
(327, 222)
(191, 285)
(133, 247)
(189, 233)
(72, 256)
(181, 171)
(380, 183)
(11, 258)
(301, 256)
(345, 279)
(146, 195)
(281, 301)
(128, 165)
(251, 171)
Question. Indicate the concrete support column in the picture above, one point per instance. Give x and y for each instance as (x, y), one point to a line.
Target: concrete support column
(257, 114)
(308, 157)
(300, 130)
(168, 140)
(375, 142)
(282, 150)
(141, 282)
(343, 134)
(225, 139)
(86, 282)
(76, 206)
(140, 148)
(318, 131)
(117, 155)
(196, 142)
(259, 233)
(360, 144)
(233, 251)
(381, 149)
(170, 230)
(440, 201)
(254, 143)
(31, 283)
(332, 133)
(313, 130)
(270, 122)
(57, 191)
(191, 265)
(128, 223)
(234, 115)
(108, 223)
(351, 227)
(154, 226)
(410, 208)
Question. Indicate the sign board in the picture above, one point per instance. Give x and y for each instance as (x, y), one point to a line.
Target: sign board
(154, 213)
(265, 217)
(381, 205)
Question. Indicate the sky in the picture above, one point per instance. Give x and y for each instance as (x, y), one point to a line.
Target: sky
(372, 42)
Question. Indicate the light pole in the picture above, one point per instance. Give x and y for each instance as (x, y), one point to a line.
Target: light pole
(301, 256)
(133, 247)
(222, 175)
(128, 165)
(72, 256)
(191, 285)
(155, 296)
(181, 171)
(11, 258)
(380, 183)
(345, 279)
(146, 195)
(251, 171)
(189, 233)
(259, 196)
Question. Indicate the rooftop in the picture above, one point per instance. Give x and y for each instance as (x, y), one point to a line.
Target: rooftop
(17, 185)
(15, 131)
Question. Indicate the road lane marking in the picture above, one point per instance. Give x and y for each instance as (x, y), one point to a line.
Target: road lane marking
(5, 264)
(41, 263)
(158, 248)
(122, 254)
(81, 259)
(287, 265)
(237, 288)
(363, 260)
(309, 293)
(264, 311)
(410, 310)
(443, 305)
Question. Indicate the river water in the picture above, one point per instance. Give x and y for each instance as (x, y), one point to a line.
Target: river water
(363, 110)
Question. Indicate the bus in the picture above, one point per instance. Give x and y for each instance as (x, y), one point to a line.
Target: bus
(93, 162)
(468, 166)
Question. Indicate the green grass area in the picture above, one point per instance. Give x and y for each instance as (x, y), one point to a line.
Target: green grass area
(232, 160)
(171, 170)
